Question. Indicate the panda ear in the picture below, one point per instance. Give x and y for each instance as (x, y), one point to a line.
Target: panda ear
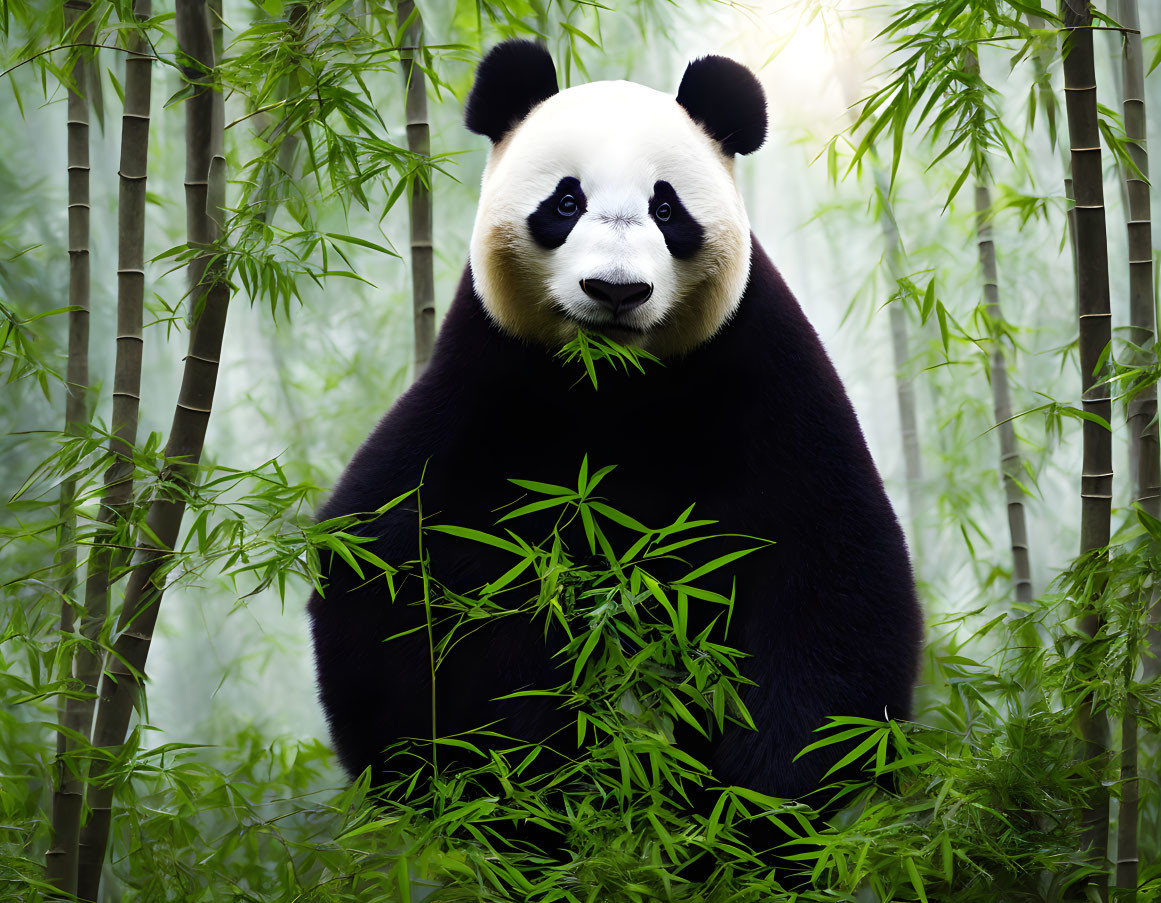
(725, 99)
(510, 81)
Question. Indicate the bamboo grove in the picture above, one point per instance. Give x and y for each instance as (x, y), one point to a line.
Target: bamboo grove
(313, 140)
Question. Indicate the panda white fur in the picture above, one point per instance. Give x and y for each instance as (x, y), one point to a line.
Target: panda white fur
(613, 207)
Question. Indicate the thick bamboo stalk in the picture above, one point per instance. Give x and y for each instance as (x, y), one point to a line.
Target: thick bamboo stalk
(68, 791)
(1010, 462)
(209, 297)
(1145, 445)
(1144, 442)
(1095, 321)
(106, 559)
(418, 142)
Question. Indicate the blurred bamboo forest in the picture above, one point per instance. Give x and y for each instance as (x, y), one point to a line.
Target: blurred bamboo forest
(966, 221)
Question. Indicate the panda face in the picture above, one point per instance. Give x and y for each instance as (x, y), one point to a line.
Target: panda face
(610, 209)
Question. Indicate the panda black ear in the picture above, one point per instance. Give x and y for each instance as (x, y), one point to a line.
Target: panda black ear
(725, 98)
(513, 78)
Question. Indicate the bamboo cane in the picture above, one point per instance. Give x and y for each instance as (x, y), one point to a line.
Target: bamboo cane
(1010, 461)
(1095, 321)
(900, 349)
(105, 559)
(68, 790)
(1144, 442)
(418, 142)
(209, 298)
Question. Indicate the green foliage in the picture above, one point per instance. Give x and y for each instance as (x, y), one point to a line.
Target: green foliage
(590, 347)
(978, 800)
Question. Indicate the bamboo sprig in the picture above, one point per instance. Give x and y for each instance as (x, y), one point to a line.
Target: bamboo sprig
(410, 24)
(68, 791)
(1095, 324)
(209, 298)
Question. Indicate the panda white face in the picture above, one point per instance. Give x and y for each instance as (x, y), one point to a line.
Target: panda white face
(609, 208)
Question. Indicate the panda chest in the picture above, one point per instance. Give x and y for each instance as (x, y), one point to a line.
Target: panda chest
(668, 446)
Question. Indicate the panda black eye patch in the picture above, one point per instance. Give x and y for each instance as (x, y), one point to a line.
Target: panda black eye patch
(682, 233)
(553, 220)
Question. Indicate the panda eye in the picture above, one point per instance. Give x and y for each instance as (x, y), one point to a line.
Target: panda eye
(567, 206)
(663, 212)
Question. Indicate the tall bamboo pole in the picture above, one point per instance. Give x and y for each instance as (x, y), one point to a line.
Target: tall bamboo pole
(1095, 322)
(900, 350)
(209, 298)
(418, 142)
(1010, 461)
(68, 790)
(1144, 442)
(106, 559)
(897, 322)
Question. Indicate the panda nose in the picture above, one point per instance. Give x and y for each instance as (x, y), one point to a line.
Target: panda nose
(618, 297)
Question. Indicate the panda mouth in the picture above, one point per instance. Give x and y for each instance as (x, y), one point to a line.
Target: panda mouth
(609, 326)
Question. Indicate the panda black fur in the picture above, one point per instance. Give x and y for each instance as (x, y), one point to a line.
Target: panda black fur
(747, 418)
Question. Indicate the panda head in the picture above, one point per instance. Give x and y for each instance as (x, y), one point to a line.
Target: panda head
(611, 206)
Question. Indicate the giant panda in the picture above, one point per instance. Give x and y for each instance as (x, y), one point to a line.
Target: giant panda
(613, 207)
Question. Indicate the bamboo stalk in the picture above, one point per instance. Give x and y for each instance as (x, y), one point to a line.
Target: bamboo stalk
(1145, 445)
(1144, 442)
(418, 142)
(68, 790)
(1010, 461)
(209, 298)
(107, 557)
(1095, 320)
(900, 345)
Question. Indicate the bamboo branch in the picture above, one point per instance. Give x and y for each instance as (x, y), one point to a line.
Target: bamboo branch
(68, 791)
(123, 679)
(418, 142)
(1095, 320)
(107, 559)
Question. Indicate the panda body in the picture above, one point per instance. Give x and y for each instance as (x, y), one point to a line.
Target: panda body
(747, 419)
